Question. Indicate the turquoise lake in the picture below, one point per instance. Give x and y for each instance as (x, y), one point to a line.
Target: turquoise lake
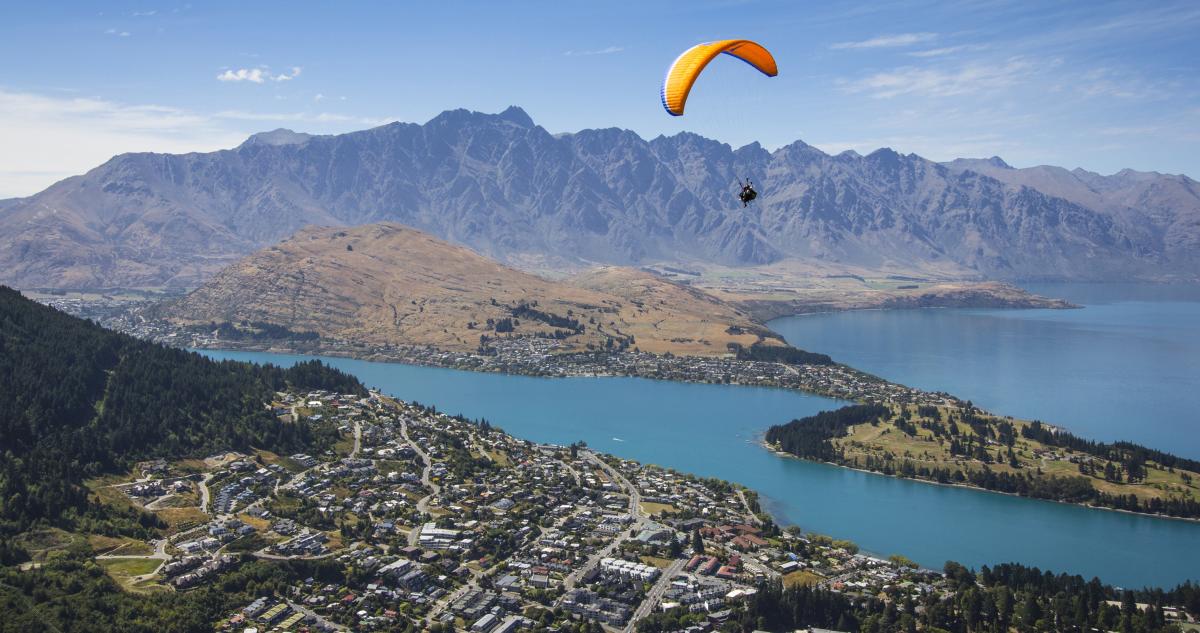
(1125, 367)
(711, 430)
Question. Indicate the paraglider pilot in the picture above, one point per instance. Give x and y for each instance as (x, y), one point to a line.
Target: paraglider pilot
(748, 193)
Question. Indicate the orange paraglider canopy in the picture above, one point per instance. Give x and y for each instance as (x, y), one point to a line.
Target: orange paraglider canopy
(687, 67)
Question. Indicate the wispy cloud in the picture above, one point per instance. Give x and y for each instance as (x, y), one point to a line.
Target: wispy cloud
(1108, 82)
(257, 75)
(144, 14)
(608, 50)
(887, 41)
(298, 117)
(48, 138)
(933, 147)
(1131, 130)
(945, 50)
(971, 78)
(1141, 20)
(117, 33)
(288, 76)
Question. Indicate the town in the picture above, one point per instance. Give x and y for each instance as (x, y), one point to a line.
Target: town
(531, 356)
(447, 524)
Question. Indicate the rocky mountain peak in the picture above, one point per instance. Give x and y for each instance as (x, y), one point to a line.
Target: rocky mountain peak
(508, 189)
(516, 115)
(280, 136)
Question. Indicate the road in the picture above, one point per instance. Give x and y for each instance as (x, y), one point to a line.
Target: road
(329, 626)
(574, 473)
(751, 518)
(414, 535)
(655, 594)
(204, 492)
(635, 510)
(263, 553)
(635, 497)
(357, 439)
(160, 553)
(441, 605)
(640, 519)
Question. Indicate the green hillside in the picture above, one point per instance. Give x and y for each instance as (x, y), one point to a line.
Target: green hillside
(77, 401)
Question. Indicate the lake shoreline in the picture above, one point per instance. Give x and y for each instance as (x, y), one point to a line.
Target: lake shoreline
(786, 455)
(1125, 368)
(719, 424)
(915, 396)
(836, 380)
(376, 359)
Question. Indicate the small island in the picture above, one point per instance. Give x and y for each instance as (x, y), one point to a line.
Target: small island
(962, 445)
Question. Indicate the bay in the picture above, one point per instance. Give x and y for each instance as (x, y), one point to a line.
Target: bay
(1124, 367)
(713, 431)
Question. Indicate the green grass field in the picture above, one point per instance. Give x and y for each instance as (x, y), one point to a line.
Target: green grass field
(118, 545)
(802, 578)
(285, 462)
(653, 509)
(126, 570)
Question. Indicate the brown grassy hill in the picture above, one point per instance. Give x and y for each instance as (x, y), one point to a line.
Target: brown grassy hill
(387, 283)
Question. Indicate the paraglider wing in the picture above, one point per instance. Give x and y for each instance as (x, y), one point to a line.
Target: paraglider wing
(682, 74)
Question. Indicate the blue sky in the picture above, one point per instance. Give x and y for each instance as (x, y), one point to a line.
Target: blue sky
(1099, 85)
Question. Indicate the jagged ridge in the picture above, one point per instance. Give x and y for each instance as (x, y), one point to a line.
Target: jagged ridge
(511, 190)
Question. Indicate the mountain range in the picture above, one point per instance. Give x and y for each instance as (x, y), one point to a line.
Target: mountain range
(510, 190)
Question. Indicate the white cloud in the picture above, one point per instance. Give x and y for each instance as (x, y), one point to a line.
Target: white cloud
(117, 33)
(1107, 82)
(253, 75)
(941, 52)
(289, 76)
(318, 97)
(144, 14)
(885, 41)
(608, 50)
(47, 138)
(933, 82)
(257, 75)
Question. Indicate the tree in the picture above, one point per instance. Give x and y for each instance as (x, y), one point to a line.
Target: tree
(697, 542)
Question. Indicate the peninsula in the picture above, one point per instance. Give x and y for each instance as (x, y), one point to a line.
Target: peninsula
(966, 446)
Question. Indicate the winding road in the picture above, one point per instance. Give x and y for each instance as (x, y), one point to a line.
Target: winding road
(414, 535)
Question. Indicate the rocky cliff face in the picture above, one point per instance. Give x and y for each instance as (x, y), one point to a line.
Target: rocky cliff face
(1161, 210)
(509, 189)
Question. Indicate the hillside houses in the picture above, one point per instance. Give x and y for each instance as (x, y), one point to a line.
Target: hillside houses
(437, 519)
